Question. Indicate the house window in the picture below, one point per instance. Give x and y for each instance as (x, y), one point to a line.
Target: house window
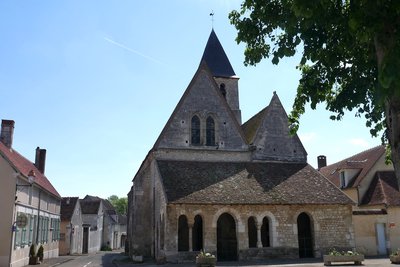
(195, 130)
(183, 234)
(197, 233)
(265, 232)
(252, 232)
(342, 180)
(210, 132)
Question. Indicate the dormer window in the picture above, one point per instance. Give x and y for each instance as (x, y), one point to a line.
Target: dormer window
(222, 89)
(195, 128)
(210, 131)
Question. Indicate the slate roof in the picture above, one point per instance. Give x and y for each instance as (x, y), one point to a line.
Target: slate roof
(90, 206)
(67, 207)
(216, 59)
(246, 183)
(24, 166)
(383, 189)
(363, 162)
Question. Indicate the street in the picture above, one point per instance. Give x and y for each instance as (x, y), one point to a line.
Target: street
(100, 259)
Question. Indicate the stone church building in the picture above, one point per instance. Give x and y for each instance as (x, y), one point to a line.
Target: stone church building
(242, 191)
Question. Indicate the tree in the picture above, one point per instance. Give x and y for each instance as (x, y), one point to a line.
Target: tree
(350, 56)
(120, 204)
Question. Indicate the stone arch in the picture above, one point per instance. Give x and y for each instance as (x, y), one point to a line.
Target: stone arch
(227, 243)
(183, 233)
(266, 232)
(231, 211)
(305, 235)
(272, 226)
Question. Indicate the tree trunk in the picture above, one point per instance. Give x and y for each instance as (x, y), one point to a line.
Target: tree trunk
(392, 113)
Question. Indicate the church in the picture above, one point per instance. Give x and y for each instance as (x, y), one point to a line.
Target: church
(241, 191)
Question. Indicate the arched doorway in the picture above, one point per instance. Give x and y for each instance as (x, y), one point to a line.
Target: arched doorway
(226, 238)
(305, 236)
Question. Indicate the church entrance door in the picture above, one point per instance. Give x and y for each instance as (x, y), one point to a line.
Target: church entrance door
(226, 238)
(305, 236)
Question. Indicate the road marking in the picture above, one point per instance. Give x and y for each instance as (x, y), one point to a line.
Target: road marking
(87, 264)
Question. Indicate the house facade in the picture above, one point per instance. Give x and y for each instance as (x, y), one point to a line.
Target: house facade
(71, 230)
(239, 191)
(30, 204)
(372, 185)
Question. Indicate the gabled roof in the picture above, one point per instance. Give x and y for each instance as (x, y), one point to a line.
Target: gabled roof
(246, 183)
(202, 71)
(67, 207)
(383, 189)
(251, 126)
(269, 131)
(216, 59)
(107, 206)
(363, 162)
(24, 166)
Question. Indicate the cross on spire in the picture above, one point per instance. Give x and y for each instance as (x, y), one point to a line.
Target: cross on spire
(212, 18)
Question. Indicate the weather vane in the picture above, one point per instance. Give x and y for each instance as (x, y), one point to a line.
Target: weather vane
(212, 18)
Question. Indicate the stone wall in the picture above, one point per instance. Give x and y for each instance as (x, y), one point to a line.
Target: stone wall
(331, 226)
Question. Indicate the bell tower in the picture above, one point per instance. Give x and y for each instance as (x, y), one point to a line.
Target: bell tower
(223, 73)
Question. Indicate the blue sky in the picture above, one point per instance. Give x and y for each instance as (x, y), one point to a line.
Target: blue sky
(94, 83)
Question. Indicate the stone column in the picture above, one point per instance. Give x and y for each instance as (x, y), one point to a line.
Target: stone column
(259, 243)
(190, 236)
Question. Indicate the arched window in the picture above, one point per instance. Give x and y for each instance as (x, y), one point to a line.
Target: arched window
(252, 232)
(197, 233)
(265, 232)
(183, 234)
(222, 89)
(195, 130)
(210, 132)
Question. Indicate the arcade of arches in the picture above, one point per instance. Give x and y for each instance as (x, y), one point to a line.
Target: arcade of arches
(256, 232)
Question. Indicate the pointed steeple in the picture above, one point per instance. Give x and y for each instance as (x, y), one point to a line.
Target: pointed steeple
(216, 59)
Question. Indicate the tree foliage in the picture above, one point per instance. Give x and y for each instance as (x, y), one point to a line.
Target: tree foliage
(350, 55)
(120, 204)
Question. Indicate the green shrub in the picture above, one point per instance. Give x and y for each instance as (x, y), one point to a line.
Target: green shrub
(40, 253)
(32, 251)
(105, 248)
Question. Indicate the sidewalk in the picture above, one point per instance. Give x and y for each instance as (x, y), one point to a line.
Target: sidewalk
(56, 261)
(123, 261)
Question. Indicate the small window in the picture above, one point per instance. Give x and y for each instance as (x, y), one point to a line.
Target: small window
(342, 179)
(222, 90)
(195, 130)
(210, 132)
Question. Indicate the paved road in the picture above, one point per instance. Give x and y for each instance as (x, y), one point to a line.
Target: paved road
(117, 259)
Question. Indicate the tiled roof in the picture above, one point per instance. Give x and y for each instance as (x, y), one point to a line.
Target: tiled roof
(247, 183)
(251, 126)
(216, 58)
(90, 206)
(24, 166)
(383, 189)
(362, 161)
(106, 204)
(67, 207)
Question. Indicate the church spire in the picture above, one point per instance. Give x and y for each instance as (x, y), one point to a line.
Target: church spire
(216, 59)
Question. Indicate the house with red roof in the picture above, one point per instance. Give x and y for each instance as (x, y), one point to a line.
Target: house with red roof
(30, 204)
(372, 185)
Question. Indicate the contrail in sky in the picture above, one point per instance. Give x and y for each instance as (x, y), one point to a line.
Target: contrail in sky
(133, 51)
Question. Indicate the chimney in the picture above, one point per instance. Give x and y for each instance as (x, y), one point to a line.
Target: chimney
(7, 132)
(40, 159)
(321, 162)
